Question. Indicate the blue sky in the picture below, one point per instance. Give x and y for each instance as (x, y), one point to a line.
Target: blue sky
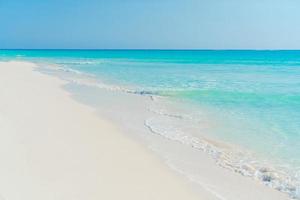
(169, 24)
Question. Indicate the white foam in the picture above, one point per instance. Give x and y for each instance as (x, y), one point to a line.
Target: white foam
(231, 159)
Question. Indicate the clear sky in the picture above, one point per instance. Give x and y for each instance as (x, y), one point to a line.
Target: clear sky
(195, 24)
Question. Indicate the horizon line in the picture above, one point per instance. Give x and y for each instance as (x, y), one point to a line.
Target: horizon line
(147, 49)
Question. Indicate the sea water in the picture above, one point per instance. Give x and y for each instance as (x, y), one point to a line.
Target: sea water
(250, 99)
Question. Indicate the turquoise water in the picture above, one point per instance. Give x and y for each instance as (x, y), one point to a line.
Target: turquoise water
(252, 96)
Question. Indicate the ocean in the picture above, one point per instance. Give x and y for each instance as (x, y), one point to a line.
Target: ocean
(247, 99)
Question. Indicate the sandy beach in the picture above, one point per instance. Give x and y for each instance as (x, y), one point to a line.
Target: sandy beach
(54, 148)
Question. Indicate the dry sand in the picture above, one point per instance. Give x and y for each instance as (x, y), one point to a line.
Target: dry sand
(53, 148)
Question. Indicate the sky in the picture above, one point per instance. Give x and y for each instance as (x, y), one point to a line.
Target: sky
(150, 24)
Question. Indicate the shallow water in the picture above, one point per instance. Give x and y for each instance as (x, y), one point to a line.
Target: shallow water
(250, 99)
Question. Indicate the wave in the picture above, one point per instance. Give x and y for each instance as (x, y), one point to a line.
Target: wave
(88, 79)
(233, 159)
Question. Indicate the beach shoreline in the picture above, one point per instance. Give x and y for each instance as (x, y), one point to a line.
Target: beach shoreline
(63, 150)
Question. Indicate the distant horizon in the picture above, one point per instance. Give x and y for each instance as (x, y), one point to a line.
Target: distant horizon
(125, 49)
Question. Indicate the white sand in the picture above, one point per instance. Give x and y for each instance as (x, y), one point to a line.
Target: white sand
(53, 148)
